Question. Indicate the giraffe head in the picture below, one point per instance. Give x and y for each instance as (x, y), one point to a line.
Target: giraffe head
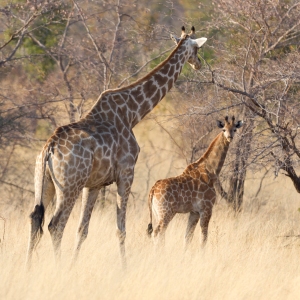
(193, 45)
(229, 127)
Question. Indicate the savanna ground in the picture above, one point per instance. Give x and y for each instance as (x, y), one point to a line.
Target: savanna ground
(254, 255)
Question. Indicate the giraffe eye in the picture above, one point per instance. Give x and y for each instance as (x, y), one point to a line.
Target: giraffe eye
(224, 130)
(234, 130)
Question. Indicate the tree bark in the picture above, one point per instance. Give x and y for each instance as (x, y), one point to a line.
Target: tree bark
(235, 193)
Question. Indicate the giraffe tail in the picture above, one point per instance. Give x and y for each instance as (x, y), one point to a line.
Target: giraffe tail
(36, 230)
(150, 227)
(38, 215)
(37, 221)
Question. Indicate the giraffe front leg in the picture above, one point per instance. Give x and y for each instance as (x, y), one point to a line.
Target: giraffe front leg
(89, 197)
(192, 222)
(124, 187)
(204, 221)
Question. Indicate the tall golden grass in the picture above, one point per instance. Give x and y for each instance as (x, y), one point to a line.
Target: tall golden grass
(254, 255)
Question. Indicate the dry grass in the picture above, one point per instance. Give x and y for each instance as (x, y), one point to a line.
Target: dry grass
(247, 257)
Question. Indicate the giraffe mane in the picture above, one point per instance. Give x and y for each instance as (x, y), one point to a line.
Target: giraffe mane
(208, 150)
(149, 74)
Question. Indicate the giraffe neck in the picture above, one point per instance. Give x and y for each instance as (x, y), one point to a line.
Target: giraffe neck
(215, 155)
(134, 102)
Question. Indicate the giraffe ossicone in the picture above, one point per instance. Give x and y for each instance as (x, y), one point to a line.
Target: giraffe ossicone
(100, 149)
(194, 191)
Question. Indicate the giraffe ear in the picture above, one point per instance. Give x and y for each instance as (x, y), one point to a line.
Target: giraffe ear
(199, 42)
(175, 39)
(239, 124)
(220, 124)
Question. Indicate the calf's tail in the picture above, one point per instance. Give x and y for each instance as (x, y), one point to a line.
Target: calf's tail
(150, 227)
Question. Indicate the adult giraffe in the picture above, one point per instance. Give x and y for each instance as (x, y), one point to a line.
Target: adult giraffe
(194, 190)
(101, 149)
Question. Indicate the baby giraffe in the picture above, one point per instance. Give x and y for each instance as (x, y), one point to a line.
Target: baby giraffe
(194, 191)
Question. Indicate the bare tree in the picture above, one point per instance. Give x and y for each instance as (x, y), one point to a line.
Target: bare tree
(260, 68)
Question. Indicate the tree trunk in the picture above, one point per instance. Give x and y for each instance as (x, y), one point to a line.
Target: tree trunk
(239, 167)
(287, 165)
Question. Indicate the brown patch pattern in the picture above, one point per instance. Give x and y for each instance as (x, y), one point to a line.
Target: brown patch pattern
(100, 149)
(193, 191)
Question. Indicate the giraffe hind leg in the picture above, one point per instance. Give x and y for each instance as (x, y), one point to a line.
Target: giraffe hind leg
(88, 201)
(160, 230)
(159, 233)
(59, 220)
